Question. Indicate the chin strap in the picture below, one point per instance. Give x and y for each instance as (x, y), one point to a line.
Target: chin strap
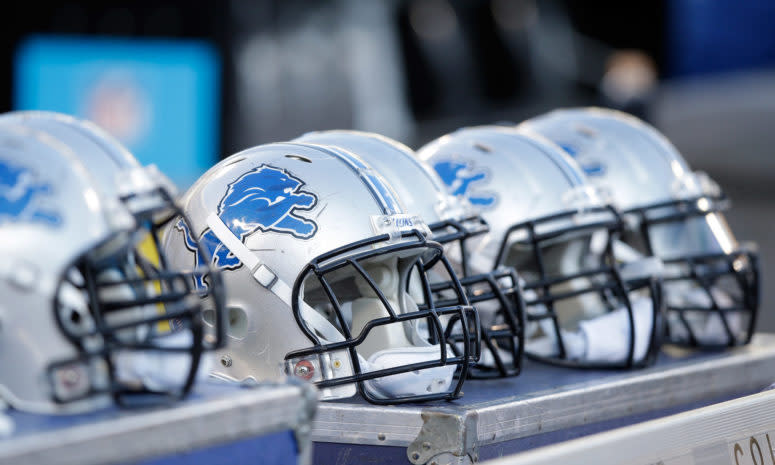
(269, 279)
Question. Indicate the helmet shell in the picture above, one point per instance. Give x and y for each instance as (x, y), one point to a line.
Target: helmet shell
(620, 153)
(510, 176)
(322, 198)
(418, 186)
(51, 212)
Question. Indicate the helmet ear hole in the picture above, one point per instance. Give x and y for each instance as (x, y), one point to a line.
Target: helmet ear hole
(209, 317)
(73, 309)
(75, 317)
(238, 323)
(76, 320)
(298, 157)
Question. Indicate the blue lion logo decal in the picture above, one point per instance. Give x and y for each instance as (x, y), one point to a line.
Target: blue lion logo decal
(265, 199)
(20, 196)
(460, 179)
(590, 167)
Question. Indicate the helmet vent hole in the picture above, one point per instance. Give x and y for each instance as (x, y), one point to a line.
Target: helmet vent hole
(298, 157)
(75, 317)
(234, 160)
(482, 148)
(586, 131)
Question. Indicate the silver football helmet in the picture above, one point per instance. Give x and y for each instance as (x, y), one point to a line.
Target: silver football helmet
(319, 259)
(546, 221)
(112, 166)
(89, 307)
(453, 222)
(711, 282)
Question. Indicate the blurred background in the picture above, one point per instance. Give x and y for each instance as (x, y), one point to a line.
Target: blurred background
(183, 83)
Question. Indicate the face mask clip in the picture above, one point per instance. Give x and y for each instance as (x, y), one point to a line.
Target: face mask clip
(395, 225)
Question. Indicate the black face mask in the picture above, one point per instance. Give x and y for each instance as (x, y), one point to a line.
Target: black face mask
(134, 304)
(450, 322)
(496, 294)
(725, 284)
(536, 248)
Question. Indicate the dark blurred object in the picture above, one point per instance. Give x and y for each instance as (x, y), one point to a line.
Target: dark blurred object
(616, 25)
(416, 68)
(461, 56)
(713, 36)
(305, 65)
(629, 82)
(408, 68)
(489, 60)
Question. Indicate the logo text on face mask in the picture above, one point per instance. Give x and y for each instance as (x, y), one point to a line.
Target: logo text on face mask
(394, 225)
(404, 223)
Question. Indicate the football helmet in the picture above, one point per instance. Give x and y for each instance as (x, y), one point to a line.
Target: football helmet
(89, 307)
(106, 158)
(582, 308)
(711, 282)
(453, 222)
(327, 277)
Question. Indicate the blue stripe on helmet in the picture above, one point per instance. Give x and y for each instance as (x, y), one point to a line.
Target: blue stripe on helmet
(381, 192)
